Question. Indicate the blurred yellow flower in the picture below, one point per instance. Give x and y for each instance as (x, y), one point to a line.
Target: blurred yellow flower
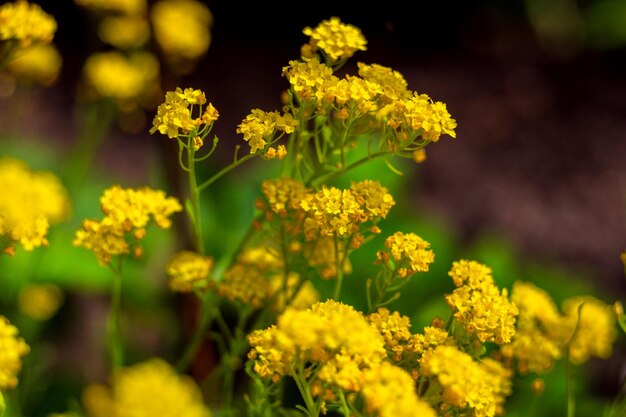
(182, 29)
(148, 389)
(12, 348)
(187, 270)
(39, 63)
(113, 75)
(124, 32)
(32, 200)
(40, 301)
(26, 23)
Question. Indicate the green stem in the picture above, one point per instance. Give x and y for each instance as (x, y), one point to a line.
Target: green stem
(194, 196)
(96, 125)
(224, 171)
(339, 268)
(116, 352)
(206, 319)
(334, 174)
(303, 387)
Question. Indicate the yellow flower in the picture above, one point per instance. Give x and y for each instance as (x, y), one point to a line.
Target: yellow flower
(124, 32)
(410, 252)
(26, 23)
(178, 43)
(113, 75)
(373, 197)
(394, 328)
(389, 391)
(464, 382)
(479, 305)
(12, 349)
(354, 92)
(283, 195)
(32, 201)
(591, 328)
(392, 84)
(187, 270)
(259, 127)
(40, 63)
(342, 355)
(127, 7)
(538, 342)
(127, 211)
(148, 389)
(40, 301)
(335, 212)
(310, 80)
(248, 280)
(336, 39)
(421, 115)
(174, 116)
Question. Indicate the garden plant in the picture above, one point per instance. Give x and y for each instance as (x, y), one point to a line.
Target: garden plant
(305, 302)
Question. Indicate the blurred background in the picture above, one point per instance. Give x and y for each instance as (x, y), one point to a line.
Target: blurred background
(534, 184)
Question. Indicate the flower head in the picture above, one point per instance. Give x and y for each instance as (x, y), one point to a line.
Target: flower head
(33, 200)
(479, 305)
(187, 270)
(182, 46)
(410, 253)
(127, 213)
(146, 389)
(336, 39)
(26, 23)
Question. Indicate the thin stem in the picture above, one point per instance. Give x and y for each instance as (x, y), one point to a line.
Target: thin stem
(206, 319)
(339, 268)
(116, 352)
(194, 196)
(334, 174)
(224, 171)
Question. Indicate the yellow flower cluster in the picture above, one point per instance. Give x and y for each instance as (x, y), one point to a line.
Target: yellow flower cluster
(127, 211)
(333, 212)
(39, 63)
(410, 253)
(395, 329)
(283, 196)
(373, 197)
(32, 200)
(342, 356)
(116, 76)
(26, 23)
(591, 325)
(335, 39)
(537, 342)
(259, 127)
(175, 115)
(188, 270)
(420, 114)
(379, 95)
(148, 389)
(584, 329)
(248, 279)
(125, 31)
(467, 383)
(479, 305)
(389, 391)
(310, 80)
(12, 349)
(179, 45)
